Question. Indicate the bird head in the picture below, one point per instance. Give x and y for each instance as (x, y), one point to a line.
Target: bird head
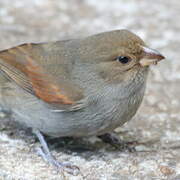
(118, 55)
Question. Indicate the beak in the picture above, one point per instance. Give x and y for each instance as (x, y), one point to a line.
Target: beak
(150, 56)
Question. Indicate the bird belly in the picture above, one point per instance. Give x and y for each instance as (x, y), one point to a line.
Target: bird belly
(96, 119)
(121, 113)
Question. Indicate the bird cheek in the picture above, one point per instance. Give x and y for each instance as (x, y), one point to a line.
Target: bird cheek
(108, 72)
(103, 74)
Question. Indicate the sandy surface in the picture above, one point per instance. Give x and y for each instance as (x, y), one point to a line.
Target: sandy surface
(156, 123)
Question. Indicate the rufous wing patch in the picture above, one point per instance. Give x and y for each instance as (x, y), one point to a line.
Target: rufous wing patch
(43, 84)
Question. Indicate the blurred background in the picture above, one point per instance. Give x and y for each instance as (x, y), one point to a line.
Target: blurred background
(157, 123)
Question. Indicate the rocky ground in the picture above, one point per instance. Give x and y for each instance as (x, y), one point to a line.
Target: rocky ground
(157, 123)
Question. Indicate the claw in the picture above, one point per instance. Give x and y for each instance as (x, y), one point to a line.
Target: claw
(72, 169)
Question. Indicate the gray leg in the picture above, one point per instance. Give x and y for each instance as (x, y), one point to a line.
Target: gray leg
(47, 156)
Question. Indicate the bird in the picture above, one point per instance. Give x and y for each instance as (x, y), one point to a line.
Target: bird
(75, 87)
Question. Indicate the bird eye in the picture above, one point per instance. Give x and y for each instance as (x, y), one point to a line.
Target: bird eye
(123, 59)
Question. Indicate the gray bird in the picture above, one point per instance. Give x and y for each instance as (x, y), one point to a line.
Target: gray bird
(78, 87)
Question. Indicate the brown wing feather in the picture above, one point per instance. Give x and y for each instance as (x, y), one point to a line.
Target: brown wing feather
(44, 86)
(18, 64)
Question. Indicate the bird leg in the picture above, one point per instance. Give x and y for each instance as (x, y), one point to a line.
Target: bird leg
(115, 141)
(47, 156)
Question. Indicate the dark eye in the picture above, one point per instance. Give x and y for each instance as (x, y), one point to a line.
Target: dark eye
(123, 59)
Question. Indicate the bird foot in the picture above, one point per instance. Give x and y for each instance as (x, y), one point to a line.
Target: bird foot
(116, 142)
(60, 166)
(47, 156)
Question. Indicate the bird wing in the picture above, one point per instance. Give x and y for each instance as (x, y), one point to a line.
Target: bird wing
(30, 66)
